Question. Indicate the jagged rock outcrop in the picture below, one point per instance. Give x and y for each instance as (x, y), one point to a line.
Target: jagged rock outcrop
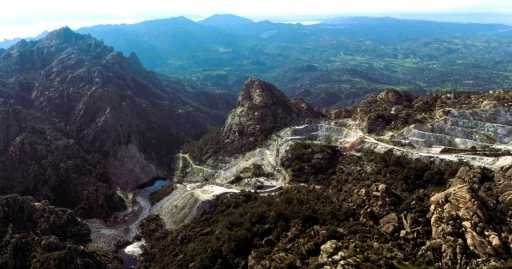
(378, 113)
(389, 223)
(460, 222)
(504, 180)
(37, 235)
(78, 120)
(377, 203)
(261, 110)
(396, 98)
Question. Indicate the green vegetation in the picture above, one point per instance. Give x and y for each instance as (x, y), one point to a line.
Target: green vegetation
(208, 146)
(213, 145)
(288, 228)
(327, 65)
(320, 165)
(310, 163)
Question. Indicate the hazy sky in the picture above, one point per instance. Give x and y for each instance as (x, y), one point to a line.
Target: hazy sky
(21, 18)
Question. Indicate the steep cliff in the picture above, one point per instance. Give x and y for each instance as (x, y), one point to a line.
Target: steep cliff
(261, 110)
(79, 120)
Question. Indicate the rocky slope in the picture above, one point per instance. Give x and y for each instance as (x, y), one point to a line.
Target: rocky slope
(78, 120)
(454, 127)
(37, 235)
(396, 181)
(261, 110)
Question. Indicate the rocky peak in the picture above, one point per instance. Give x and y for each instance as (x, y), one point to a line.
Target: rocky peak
(396, 98)
(28, 57)
(305, 109)
(260, 93)
(261, 110)
(134, 61)
(64, 35)
(85, 119)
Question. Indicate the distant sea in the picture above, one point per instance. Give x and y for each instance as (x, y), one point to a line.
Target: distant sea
(466, 17)
(500, 18)
(304, 22)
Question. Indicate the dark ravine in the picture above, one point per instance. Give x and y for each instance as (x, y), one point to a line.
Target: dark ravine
(121, 229)
(78, 120)
(142, 196)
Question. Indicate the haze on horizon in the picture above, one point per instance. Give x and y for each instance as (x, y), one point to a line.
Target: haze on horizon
(30, 18)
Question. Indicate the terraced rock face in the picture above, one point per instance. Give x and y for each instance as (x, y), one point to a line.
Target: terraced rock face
(394, 181)
(480, 136)
(478, 128)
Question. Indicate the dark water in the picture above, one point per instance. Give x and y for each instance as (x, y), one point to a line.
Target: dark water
(154, 182)
(129, 261)
(160, 183)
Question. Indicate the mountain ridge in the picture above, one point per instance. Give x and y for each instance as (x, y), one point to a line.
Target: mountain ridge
(327, 65)
(83, 120)
(222, 19)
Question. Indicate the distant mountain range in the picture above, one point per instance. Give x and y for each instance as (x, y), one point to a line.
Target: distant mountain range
(336, 62)
(10, 42)
(473, 19)
(225, 19)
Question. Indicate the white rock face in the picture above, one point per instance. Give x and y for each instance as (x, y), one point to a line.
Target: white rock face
(189, 199)
(186, 201)
(208, 192)
(135, 248)
(479, 128)
(464, 129)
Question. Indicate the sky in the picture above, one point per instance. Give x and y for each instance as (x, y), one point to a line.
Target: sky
(23, 18)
